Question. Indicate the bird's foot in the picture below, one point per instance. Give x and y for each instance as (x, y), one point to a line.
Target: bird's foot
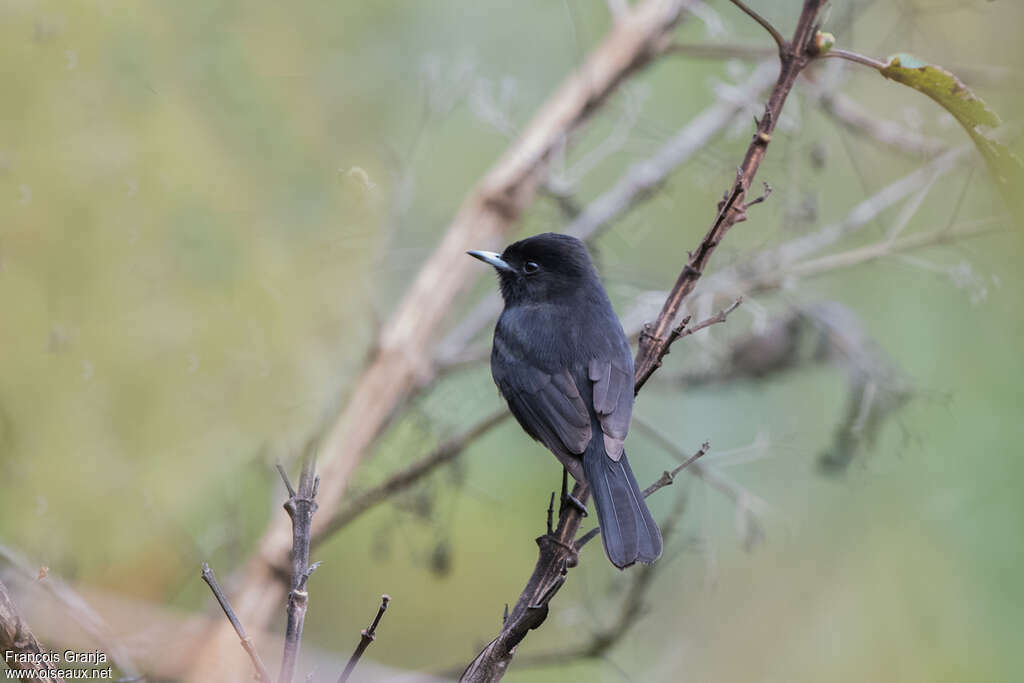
(567, 498)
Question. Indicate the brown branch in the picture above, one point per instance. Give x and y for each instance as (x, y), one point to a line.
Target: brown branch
(796, 55)
(301, 506)
(262, 674)
(684, 329)
(366, 636)
(406, 349)
(556, 555)
(409, 475)
(630, 611)
(20, 648)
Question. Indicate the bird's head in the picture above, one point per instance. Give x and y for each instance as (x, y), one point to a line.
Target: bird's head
(544, 267)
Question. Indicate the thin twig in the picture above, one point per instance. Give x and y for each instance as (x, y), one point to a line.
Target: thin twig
(855, 57)
(667, 478)
(774, 32)
(366, 636)
(262, 674)
(684, 329)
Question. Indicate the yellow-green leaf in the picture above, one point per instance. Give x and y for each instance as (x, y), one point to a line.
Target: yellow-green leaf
(969, 109)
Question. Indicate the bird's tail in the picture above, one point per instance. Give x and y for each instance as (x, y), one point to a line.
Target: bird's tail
(628, 531)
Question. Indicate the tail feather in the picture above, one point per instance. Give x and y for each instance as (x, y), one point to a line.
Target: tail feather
(628, 531)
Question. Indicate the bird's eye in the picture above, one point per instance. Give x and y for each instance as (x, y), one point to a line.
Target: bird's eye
(530, 267)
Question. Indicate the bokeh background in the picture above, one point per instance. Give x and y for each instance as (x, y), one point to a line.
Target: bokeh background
(206, 208)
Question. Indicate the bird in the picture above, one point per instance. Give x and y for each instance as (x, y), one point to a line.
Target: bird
(562, 362)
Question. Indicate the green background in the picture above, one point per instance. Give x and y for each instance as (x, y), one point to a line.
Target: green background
(205, 207)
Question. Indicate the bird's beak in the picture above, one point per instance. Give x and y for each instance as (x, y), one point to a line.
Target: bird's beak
(491, 257)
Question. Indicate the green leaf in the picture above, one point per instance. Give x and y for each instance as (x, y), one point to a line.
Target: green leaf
(970, 110)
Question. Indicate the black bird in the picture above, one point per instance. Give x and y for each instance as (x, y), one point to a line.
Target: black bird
(562, 362)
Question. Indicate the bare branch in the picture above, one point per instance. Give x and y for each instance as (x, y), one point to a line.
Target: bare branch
(684, 329)
(301, 506)
(655, 345)
(669, 476)
(211, 580)
(630, 611)
(366, 636)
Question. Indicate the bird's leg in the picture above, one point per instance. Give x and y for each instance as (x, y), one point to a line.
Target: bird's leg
(567, 498)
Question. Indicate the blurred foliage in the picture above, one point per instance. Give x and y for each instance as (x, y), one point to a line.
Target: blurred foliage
(206, 207)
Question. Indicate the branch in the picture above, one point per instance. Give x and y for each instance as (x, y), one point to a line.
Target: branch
(250, 648)
(684, 329)
(855, 57)
(406, 349)
(630, 611)
(667, 478)
(766, 25)
(21, 650)
(366, 636)
(796, 55)
(301, 506)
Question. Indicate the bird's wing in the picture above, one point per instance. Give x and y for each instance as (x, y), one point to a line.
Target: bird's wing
(613, 401)
(548, 405)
